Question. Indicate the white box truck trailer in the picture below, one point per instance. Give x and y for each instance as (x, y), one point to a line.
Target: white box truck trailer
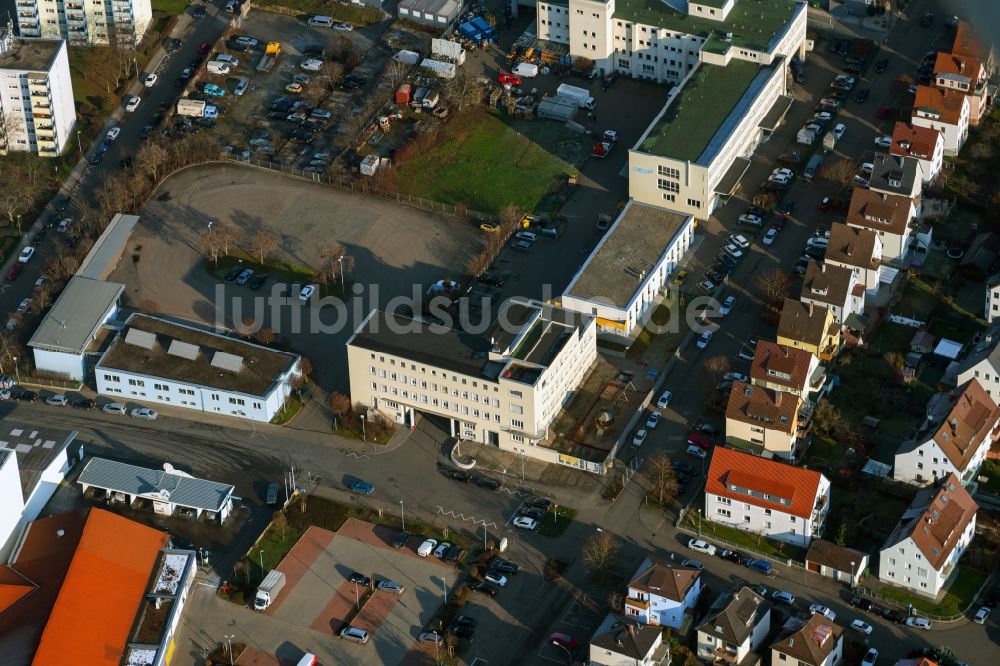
(579, 95)
(269, 589)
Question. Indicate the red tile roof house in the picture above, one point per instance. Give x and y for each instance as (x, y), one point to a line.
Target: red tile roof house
(923, 550)
(766, 497)
(924, 144)
(946, 111)
(966, 75)
(955, 437)
(662, 594)
(91, 587)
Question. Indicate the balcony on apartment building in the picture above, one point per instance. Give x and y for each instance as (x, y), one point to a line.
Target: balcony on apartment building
(725, 654)
(637, 603)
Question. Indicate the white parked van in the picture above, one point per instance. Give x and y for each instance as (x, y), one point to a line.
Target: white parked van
(321, 21)
(114, 408)
(217, 67)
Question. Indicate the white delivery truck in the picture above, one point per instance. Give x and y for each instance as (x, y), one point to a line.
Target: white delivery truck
(579, 95)
(191, 107)
(806, 136)
(269, 589)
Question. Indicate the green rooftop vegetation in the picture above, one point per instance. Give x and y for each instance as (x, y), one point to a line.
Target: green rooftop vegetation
(699, 109)
(753, 22)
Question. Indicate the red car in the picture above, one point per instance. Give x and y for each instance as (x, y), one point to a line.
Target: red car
(506, 77)
(204, 48)
(699, 440)
(14, 271)
(824, 204)
(883, 112)
(564, 641)
(779, 222)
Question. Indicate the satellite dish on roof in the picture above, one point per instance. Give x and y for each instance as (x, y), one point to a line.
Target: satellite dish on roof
(168, 468)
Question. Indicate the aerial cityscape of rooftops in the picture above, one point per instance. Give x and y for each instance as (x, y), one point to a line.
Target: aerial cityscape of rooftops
(500, 332)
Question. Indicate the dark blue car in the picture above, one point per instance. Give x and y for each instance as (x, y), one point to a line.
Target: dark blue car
(762, 566)
(362, 488)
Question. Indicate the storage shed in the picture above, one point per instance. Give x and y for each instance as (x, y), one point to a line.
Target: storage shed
(429, 12)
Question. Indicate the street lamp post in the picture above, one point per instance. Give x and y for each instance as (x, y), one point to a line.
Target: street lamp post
(79, 143)
(357, 595)
(229, 647)
(364, 435)
(17, 371)
(340, 260)
(699, 523)
(444, 587)
(402, 515)
(261, 551)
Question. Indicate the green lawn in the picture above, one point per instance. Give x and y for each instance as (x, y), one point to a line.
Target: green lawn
(554, 524)
(487, 162)
(955, 601)
(745, 540)
(918, 301)
(170, 6)
(280, 271)
(292, 407)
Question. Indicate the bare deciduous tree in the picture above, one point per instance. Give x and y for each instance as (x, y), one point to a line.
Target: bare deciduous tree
(775, 284)
(464, 90)
(151, 159)
(662, 480)
(600, 551)
(228, 234)
(334, 260)
(715, 368)
(261, 245)
(394, 73)
(841, 172)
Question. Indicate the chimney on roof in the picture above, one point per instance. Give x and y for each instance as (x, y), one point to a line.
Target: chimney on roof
(631, 630)
(954, 427)
(777, 398)
(810, 309)
(822, 268)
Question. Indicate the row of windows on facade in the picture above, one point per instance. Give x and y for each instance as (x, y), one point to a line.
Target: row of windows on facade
(725, 501)
(445, 404)
(443, 389)
(139, 383)
(444, 375)
(746, 518)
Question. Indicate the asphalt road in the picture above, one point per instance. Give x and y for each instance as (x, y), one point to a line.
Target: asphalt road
(168, 67)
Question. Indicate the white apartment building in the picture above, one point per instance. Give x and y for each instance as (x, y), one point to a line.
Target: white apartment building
(947, 111)
(85, 21)
(501, 387)
(33, 464)
(625, 277)
(992, 311)
(661, 594)
(924, 144)
(924, 547)
(153, 360)
(953, 439)
(728, 60)
(37, 112)
(766, 497)
(735, 630)
(859, 250)
(819, 642)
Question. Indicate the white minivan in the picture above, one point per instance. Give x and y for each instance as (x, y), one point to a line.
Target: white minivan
(321, 21)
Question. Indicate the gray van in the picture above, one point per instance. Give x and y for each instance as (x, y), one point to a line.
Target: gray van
(354, 634)
(812, 167)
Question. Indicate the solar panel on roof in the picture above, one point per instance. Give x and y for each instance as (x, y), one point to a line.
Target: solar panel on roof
(139, 338)
(183, 349)
(227, 361)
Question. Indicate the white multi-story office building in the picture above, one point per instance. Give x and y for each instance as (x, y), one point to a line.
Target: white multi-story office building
(157, 361)
(85, 21)
(37, 113)
(728, 58)
(626, 275)
(503, 387)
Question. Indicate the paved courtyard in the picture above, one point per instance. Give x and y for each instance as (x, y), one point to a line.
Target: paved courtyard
(318, 597)
(395, 248)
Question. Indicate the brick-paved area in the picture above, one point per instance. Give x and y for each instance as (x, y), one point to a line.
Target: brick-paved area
(299, 560)
(376, 611)
(382, 537)
(254, 657)
(336, 610)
